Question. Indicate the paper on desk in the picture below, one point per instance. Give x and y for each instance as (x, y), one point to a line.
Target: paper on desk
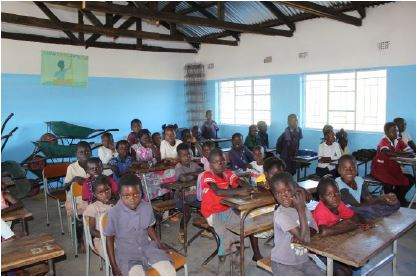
(312, 205)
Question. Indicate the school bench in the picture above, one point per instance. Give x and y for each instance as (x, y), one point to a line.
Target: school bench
(21, 215)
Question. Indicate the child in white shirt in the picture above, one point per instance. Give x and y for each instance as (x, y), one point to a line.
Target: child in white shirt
(107, 151)
(329, 153)
(169, 145)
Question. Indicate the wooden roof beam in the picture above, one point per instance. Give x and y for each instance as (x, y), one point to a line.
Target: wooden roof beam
(205, 5)
(174, 18)
(111, 32)
(278, 14)
(98, 44)
(323, 11)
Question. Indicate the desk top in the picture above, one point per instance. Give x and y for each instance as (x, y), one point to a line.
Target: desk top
(305, 158)
(28, 250)
(179, 185)
(137, 169)
(309, 185)
(242, 203)
(357, 247)
(21, 213)
(221, 139)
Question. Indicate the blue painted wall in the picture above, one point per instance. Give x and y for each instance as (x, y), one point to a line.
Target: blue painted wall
(105, 103)
(286, 92)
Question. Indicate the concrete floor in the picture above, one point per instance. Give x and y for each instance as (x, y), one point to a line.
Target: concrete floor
(197, 252)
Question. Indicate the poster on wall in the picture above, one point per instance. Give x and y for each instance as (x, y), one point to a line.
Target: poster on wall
(64, 69)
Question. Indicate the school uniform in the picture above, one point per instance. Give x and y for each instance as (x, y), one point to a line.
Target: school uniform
(323, 216)
(169, 151)
(239, 158)
(209, 129)
(289, 148)
(334, 152)
(285, 261)
(105, 155)
(134, 251)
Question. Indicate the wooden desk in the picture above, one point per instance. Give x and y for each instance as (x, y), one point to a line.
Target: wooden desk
(219, 140)
(410, 161)
(29, 250)
(20, 214)
(303, 162)
(137, 169)
(357, 247)
(244, 203)
(309, 185)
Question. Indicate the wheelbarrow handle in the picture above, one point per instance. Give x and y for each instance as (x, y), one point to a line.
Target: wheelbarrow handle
(7, 119)
(10, 134)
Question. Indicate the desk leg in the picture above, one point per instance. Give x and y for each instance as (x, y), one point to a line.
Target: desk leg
(242, 254)
(185, 222)
(329, 267)
(298, 174)
(51, 271)
(394, 259)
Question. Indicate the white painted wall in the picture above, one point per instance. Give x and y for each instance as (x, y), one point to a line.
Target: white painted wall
(330, 44)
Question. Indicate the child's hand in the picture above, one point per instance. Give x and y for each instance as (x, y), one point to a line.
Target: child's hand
(366, 226)
(305, 193)
(299, 201)
(116, 271)
(390, 198)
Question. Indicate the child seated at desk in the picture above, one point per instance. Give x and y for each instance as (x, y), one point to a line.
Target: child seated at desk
(218, 183)
(354, 192)
(252, 139)
(389, 171)
(94, 169)
(333, 217)
(292, 223)
(188, 138)
(121, 164)
(131, 240)
(107, 151)
(329, 151)
(257, 165)
(169, 145)
(185, 171)
(403, 135)
(135, 126)
(101, 204)
(240, 156)
(144, 150)
(207, 147)
(262, 134)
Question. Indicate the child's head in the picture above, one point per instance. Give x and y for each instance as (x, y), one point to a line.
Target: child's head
(347, 168)
(262, 127)
(156, 139)
(283, 188)
(258, 153)
(329, 192)
(292, 121)
(94, 167)
(186, 136)
(135, 125)
(328, 134)
(209, 115)
(107, 140)
(169, 134)
(237, 141)
(401, 124)
(144, 137)
(194, 131)
(208, 145)
(184, 156)
(122, 147)
(390, 130)
(83, 151)
(217, 161)
(342, 138)
(102, 189)
(130, 190)
(272, 166)
(253, 130)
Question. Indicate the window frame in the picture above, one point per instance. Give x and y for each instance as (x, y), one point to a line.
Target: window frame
(328, 73)
(252, 110)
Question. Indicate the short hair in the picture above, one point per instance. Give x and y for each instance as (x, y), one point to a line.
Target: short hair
(143, 132)
(270, 162)
(130, 180)
(156, 134)
(261, 123)
(252, 126)
(136, 120)
(100, 180)
(120, 142)
(94, 160)
(184, 132)
(214, 153)
(108, 135)
(293, 115)
(283, 177)
(182, 147)
(347, 157)
(399, 120)
(208, 111)
(169, 127)
(388, 126)
(324, 182)
(237, 135)
(327, 129)
(259, 148)
(209, 143)
(83, 144)
(342, 134)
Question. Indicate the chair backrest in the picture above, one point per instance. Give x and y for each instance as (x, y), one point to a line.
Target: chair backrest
(104, 220)
(57, 170)
(75, 191)
(87, 234)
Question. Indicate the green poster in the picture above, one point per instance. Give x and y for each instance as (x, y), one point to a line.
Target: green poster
(63, 69)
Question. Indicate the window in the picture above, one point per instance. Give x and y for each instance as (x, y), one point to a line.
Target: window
(351, 100)
(245, 101)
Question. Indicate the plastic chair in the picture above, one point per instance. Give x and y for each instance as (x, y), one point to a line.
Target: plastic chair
(75, 191)
(89, 246)
(50, 174)
(179, 260)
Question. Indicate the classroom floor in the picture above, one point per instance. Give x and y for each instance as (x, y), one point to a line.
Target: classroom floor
(197, 252)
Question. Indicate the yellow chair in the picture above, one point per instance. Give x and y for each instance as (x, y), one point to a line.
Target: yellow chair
(75, 191)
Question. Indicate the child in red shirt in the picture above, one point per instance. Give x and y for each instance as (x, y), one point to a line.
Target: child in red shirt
(333, 217)
(216, 184)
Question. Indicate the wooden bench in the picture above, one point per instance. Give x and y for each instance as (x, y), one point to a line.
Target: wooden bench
(178, 260)
(265, 264)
